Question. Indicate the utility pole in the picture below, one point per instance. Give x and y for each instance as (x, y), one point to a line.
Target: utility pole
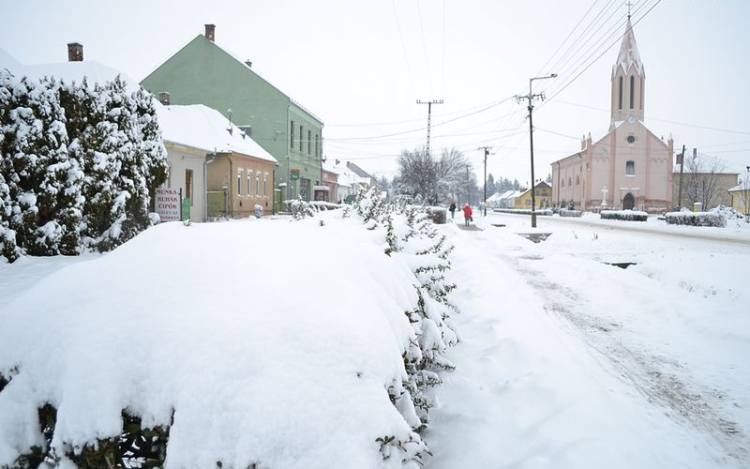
(486, 152)
(429, 117)
(531, 96)
(679, 191)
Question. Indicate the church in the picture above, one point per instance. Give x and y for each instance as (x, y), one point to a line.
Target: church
(628, 168)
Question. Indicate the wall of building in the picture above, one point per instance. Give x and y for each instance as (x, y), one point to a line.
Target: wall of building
(182, 159)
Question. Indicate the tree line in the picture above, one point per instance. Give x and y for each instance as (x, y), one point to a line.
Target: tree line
(441, 180)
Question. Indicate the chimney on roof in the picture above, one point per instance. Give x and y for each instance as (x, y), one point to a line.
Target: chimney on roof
(75, 52)
(164, 97)
(210, 32)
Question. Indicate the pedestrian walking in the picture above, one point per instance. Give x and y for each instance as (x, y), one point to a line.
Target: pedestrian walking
(452, 209)
(467, 214)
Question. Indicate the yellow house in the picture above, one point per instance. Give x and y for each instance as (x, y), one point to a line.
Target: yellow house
(542, 196)
(740, 196)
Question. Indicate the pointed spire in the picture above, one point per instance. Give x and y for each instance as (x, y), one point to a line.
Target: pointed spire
(629, 56)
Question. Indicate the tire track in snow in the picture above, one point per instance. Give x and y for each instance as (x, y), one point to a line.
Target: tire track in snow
(653, 376)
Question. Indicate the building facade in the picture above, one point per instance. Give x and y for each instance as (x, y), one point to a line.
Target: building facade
(204, 73)
(629, 167)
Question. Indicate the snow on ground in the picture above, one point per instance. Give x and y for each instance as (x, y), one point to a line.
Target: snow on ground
(565, 361)
(568, 362)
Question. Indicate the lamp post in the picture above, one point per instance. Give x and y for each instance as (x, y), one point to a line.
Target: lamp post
(746, 194)
(530, 97)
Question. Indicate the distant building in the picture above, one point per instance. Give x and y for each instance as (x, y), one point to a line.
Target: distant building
(542, 197)
(740, 197)
(629, 167)
(204, 73)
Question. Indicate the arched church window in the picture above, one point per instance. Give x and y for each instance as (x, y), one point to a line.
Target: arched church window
(620, 99)
(632, 91)
(630, 168)
(641, 93)
(578, 181)
(570, 181)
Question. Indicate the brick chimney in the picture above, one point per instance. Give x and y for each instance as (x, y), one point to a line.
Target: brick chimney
(164, 97)
(75, 52)
(210, 32)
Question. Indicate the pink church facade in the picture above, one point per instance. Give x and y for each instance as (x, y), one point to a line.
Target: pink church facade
(629, 167)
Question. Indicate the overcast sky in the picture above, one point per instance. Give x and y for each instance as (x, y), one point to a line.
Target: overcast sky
(360, 65)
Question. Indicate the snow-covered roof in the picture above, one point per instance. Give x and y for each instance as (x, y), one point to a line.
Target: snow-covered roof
(629, 56)
(740, 187)
(93, 71)
(347, 177)
(201, 127)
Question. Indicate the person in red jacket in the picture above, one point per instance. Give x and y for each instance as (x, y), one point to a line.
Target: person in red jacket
(467, 214)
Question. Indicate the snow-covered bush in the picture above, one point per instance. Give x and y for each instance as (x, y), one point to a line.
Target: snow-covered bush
(438, 215)
(412, 238)
(696, 219)
(519, 211)
(300, 208)
(563, 212)
(626, 215)
(78, 165)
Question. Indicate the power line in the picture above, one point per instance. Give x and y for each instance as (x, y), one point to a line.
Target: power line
(403, 46)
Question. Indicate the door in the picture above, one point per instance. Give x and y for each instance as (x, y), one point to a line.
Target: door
(628, 202)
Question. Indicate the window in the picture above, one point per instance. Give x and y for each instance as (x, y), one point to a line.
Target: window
(641, 93)
(291, 133)
(570, 181)
(257, 184)
(309, 142)
(317, 146)
(562, 183)
(265, 185)
(249, 182)
(630, 168)
(578, 181)
(632, 91)
(620, 105)
(239, 182)
(631, 139)
(189, 185)
(300, 138)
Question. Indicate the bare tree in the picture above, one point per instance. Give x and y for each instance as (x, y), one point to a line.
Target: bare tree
(431, 180)
(701, 181)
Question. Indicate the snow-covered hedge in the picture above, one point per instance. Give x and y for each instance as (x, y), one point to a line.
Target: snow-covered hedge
(696, 219)
(519, 211)
(626, 215)
(438, 215)
(77, 167)
(164, 370)
(563, 212)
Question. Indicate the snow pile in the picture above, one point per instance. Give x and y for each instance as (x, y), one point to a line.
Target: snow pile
(713, 218)
(627, 215)
(231, 354)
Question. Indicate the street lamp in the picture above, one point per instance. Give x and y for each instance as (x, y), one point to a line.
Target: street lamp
(746, 195)
(531, 97)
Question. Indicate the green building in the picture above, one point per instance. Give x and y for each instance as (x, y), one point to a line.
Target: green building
(204, 73)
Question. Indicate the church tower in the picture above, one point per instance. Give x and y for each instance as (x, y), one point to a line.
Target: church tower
(628, 80)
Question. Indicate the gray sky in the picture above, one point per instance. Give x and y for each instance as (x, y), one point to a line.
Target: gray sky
(361, 65)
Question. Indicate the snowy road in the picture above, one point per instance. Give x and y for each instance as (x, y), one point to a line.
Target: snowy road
(568, 362)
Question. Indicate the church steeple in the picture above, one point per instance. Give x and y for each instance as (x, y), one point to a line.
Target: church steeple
(628, 79)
